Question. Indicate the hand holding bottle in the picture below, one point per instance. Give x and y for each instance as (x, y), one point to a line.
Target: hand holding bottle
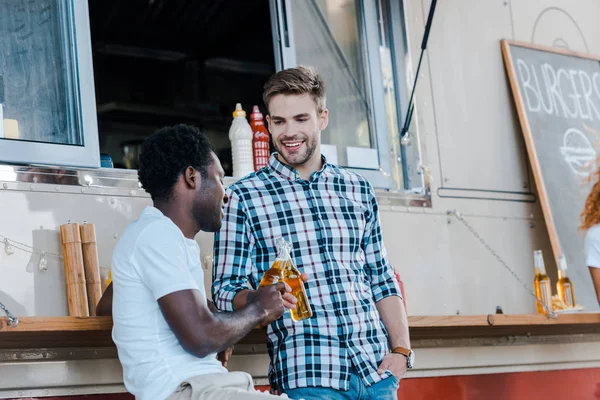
(269, 299)
(289, 300)
(283, 269)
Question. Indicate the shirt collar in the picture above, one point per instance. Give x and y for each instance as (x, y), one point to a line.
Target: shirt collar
(290, 173)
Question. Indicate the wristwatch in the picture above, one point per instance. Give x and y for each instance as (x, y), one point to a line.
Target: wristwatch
(408, 353)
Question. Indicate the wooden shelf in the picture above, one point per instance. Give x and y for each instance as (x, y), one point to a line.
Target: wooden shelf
(493, 325)
(498, 325)
(46, 332)
(503, 320)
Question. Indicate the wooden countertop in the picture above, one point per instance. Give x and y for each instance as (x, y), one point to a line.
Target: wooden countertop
(48, 332)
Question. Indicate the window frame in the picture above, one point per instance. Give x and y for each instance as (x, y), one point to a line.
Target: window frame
(368, 15)
(82, 97)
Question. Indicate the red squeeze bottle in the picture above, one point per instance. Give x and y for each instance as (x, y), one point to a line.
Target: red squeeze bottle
(260, 139)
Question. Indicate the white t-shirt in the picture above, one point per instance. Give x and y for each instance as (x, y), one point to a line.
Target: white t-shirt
(592, 247)
(151, 260)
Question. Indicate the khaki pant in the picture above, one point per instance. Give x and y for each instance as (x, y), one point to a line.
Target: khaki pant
(226, 386)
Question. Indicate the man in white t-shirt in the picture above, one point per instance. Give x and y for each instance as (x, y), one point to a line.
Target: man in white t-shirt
(166, 335)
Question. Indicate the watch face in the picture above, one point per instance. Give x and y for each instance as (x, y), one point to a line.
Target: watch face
(411, 359)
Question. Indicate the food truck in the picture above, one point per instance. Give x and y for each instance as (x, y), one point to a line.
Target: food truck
(464, 194)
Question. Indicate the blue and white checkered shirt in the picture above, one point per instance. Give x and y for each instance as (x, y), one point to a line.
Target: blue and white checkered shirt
(332, 221)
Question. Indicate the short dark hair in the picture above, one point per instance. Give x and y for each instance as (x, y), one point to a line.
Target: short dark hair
(167, 153)
(297, 80)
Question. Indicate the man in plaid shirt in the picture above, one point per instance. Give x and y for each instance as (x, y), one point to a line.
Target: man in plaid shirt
(356, 343)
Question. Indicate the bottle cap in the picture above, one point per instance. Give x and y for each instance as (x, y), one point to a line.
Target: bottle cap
(562, 262)
(284, 248)
(256, 114)
(239, 112)
(538, 259)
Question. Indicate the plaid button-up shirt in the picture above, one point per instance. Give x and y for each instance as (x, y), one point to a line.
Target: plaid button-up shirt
(332, 221)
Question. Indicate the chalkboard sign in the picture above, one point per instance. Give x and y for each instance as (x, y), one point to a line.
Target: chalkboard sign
(557, 96)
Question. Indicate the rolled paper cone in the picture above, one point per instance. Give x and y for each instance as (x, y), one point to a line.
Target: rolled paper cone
(74, 270)
(91, 266)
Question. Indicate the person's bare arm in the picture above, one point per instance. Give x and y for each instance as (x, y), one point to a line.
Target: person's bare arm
(595, 272)
(393, 315)
(104, 307)
(241, 299)
(223, 355)
(202, 332)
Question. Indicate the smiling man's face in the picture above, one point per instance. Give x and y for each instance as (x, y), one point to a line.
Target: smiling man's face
(295, 125)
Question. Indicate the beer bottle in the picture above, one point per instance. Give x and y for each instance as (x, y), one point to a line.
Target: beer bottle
(283, 268)
(564, 287)
(541, 282)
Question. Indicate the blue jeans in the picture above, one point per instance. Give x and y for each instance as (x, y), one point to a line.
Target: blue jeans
(386, 389)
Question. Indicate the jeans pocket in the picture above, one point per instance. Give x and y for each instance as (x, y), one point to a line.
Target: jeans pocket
(387, 389)
(393, 378)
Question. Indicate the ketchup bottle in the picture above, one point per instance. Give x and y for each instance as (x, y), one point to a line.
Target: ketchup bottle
(260, 139)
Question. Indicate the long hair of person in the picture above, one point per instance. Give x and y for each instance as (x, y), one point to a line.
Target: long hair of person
(590, 215)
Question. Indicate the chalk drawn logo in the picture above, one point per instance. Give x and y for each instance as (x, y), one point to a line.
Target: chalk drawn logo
(578, 152)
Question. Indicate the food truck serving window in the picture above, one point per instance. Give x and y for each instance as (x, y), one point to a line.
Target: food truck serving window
(359, 48)
(155, 65)
(46, 84)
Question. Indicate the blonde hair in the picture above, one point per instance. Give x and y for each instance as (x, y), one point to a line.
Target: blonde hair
(299, 80)
(590, 215)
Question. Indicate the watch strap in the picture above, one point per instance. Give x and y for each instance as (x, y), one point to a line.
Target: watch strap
(401, 350)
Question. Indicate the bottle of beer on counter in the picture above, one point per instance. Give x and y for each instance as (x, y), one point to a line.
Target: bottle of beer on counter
(541, 282)
(283, 268)
(564, 287)
(260, 139)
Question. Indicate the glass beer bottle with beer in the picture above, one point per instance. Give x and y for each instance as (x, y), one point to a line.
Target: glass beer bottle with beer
(283, 269)
(564, 287)
(541, 282)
